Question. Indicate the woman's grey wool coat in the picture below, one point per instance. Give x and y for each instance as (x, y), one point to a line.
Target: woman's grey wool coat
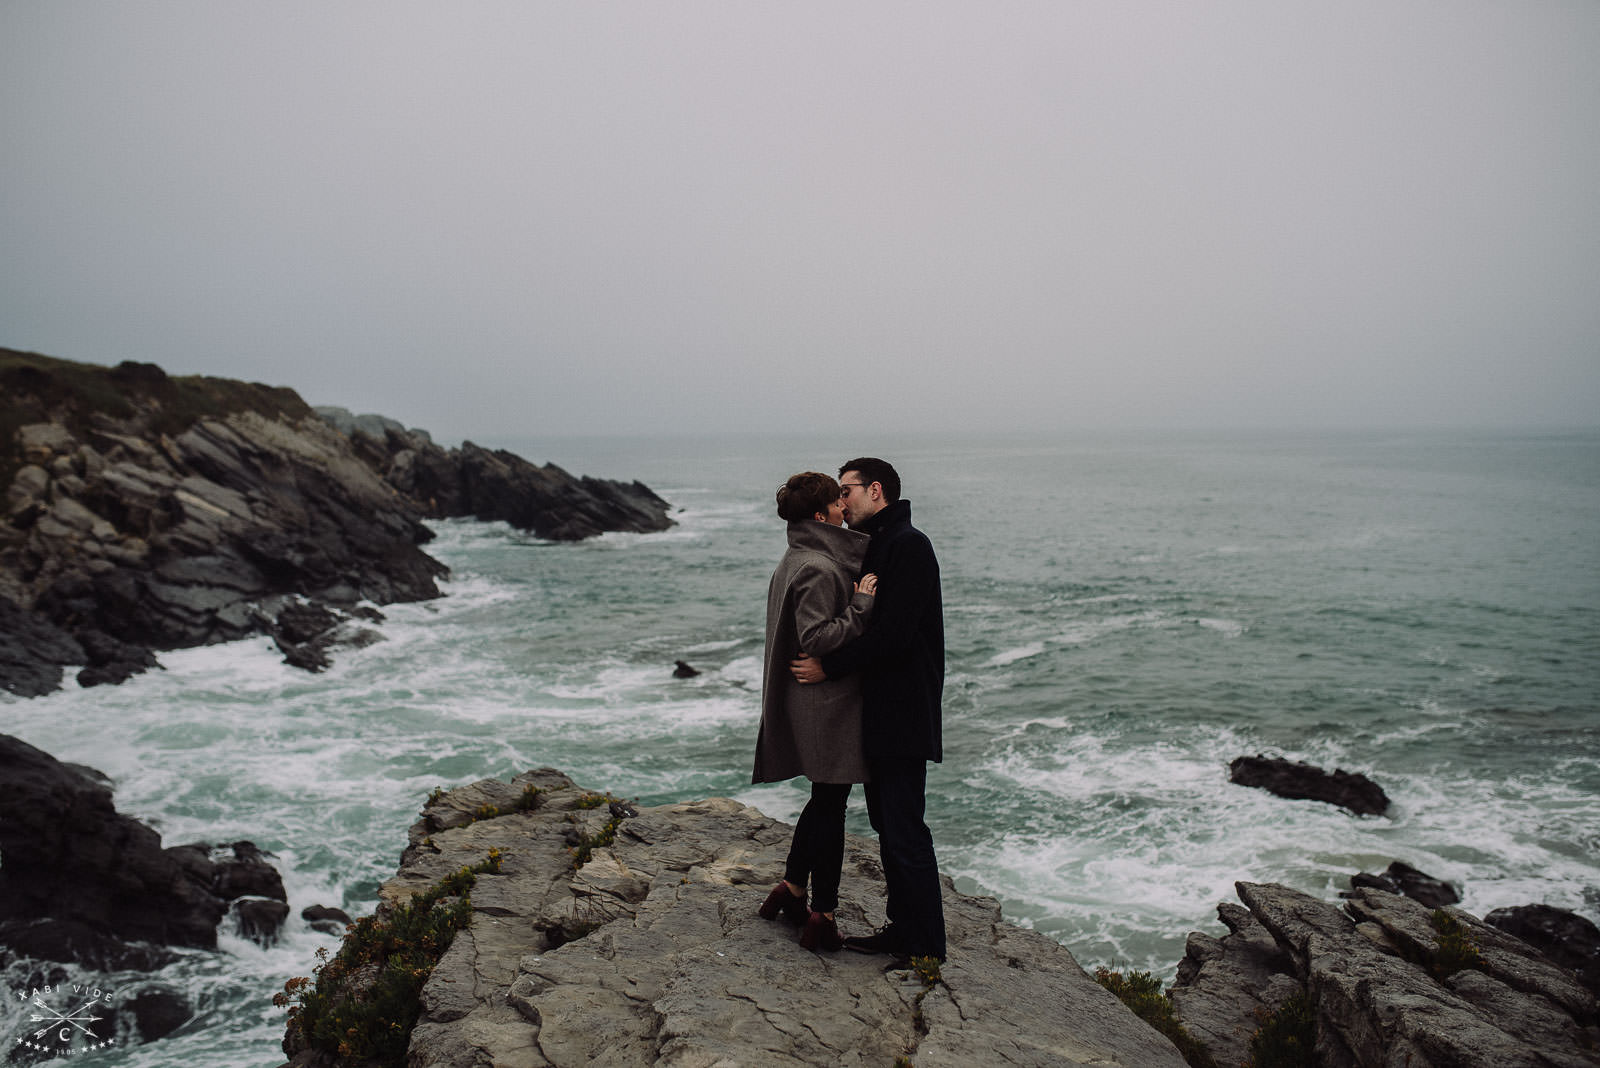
(812, 730)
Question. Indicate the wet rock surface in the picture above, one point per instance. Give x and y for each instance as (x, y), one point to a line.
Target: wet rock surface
(1305, 782)
(652, 953)
(1401, 878)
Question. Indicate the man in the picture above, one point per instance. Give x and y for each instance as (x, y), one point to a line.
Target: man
(901, 660)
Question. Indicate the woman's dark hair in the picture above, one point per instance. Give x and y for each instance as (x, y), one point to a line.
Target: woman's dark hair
(806, 494)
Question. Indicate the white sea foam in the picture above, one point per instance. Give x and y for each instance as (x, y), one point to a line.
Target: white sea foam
(1011, 656)
(1090, 630)
(745, 671)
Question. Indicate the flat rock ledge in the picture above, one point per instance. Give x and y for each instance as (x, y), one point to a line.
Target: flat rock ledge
(1379, 982)
(652, 953)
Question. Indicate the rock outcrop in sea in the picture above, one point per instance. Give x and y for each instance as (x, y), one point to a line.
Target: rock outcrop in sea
(81, 882)
(651, 952)
(144, 512)
(1299, 781)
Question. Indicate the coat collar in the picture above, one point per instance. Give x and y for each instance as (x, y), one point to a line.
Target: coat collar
(889, 515)
(848, 547)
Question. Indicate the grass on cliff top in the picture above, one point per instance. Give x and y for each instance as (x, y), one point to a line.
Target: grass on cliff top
(37, 389)
(1142, 993)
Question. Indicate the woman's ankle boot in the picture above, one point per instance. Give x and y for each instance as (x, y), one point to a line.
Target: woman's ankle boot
(820, 932)
(783, 900)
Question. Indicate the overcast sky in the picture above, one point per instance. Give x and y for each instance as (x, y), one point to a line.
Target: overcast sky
(494, 219)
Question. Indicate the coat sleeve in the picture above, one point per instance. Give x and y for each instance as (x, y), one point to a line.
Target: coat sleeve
(908, 587)
(822, 628)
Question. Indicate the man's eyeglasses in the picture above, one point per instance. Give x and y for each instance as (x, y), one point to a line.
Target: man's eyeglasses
(846, 487)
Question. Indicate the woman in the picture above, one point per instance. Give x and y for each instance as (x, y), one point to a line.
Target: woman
(815, 731)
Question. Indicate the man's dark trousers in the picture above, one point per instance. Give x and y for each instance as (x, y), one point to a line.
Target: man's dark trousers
(895, 800)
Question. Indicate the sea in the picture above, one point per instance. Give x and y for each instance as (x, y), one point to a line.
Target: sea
(1126, 613)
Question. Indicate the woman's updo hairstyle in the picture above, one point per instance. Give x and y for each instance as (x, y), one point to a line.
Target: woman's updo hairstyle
(806, 494)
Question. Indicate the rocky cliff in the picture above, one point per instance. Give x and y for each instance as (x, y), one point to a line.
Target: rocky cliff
(145, 512)
(577, 930)
(601, 934)
(496, 484)
(1383, 980)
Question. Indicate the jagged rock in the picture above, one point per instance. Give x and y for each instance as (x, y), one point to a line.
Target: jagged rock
(70, 856)
(259, 919)
(158, 1011)
(42, 442)
(1299, 781)
(47, 938)
(652, 953)
(1505, 958)
(242, 870)
(82, 882)
(1225, 987)
(1402, 878)
(326, 919)
(300, 622)
(549, 501)
(306, 634)
(33, 651)
(496, 484)
(26, 498)
(349, 424)
(172, 506)
(158, 512)
(110, 660)
(1378, 976)
(1570, 940)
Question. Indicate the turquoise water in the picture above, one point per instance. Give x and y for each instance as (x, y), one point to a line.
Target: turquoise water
(1125, 614)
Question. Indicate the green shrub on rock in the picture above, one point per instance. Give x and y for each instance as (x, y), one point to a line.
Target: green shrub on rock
(1287, 1038)
(1456, 949)
(1142, 993)
(363, 1003)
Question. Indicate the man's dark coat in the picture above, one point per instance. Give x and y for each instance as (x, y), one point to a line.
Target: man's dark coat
(901, 655)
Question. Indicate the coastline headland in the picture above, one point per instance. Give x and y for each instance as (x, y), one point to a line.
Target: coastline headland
(572, 928)
(144, 512)
(536, 922)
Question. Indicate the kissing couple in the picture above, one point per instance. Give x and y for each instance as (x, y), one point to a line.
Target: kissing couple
(852, 682)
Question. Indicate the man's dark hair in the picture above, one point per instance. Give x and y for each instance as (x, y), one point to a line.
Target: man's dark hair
(873, 470)
(806, 494)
